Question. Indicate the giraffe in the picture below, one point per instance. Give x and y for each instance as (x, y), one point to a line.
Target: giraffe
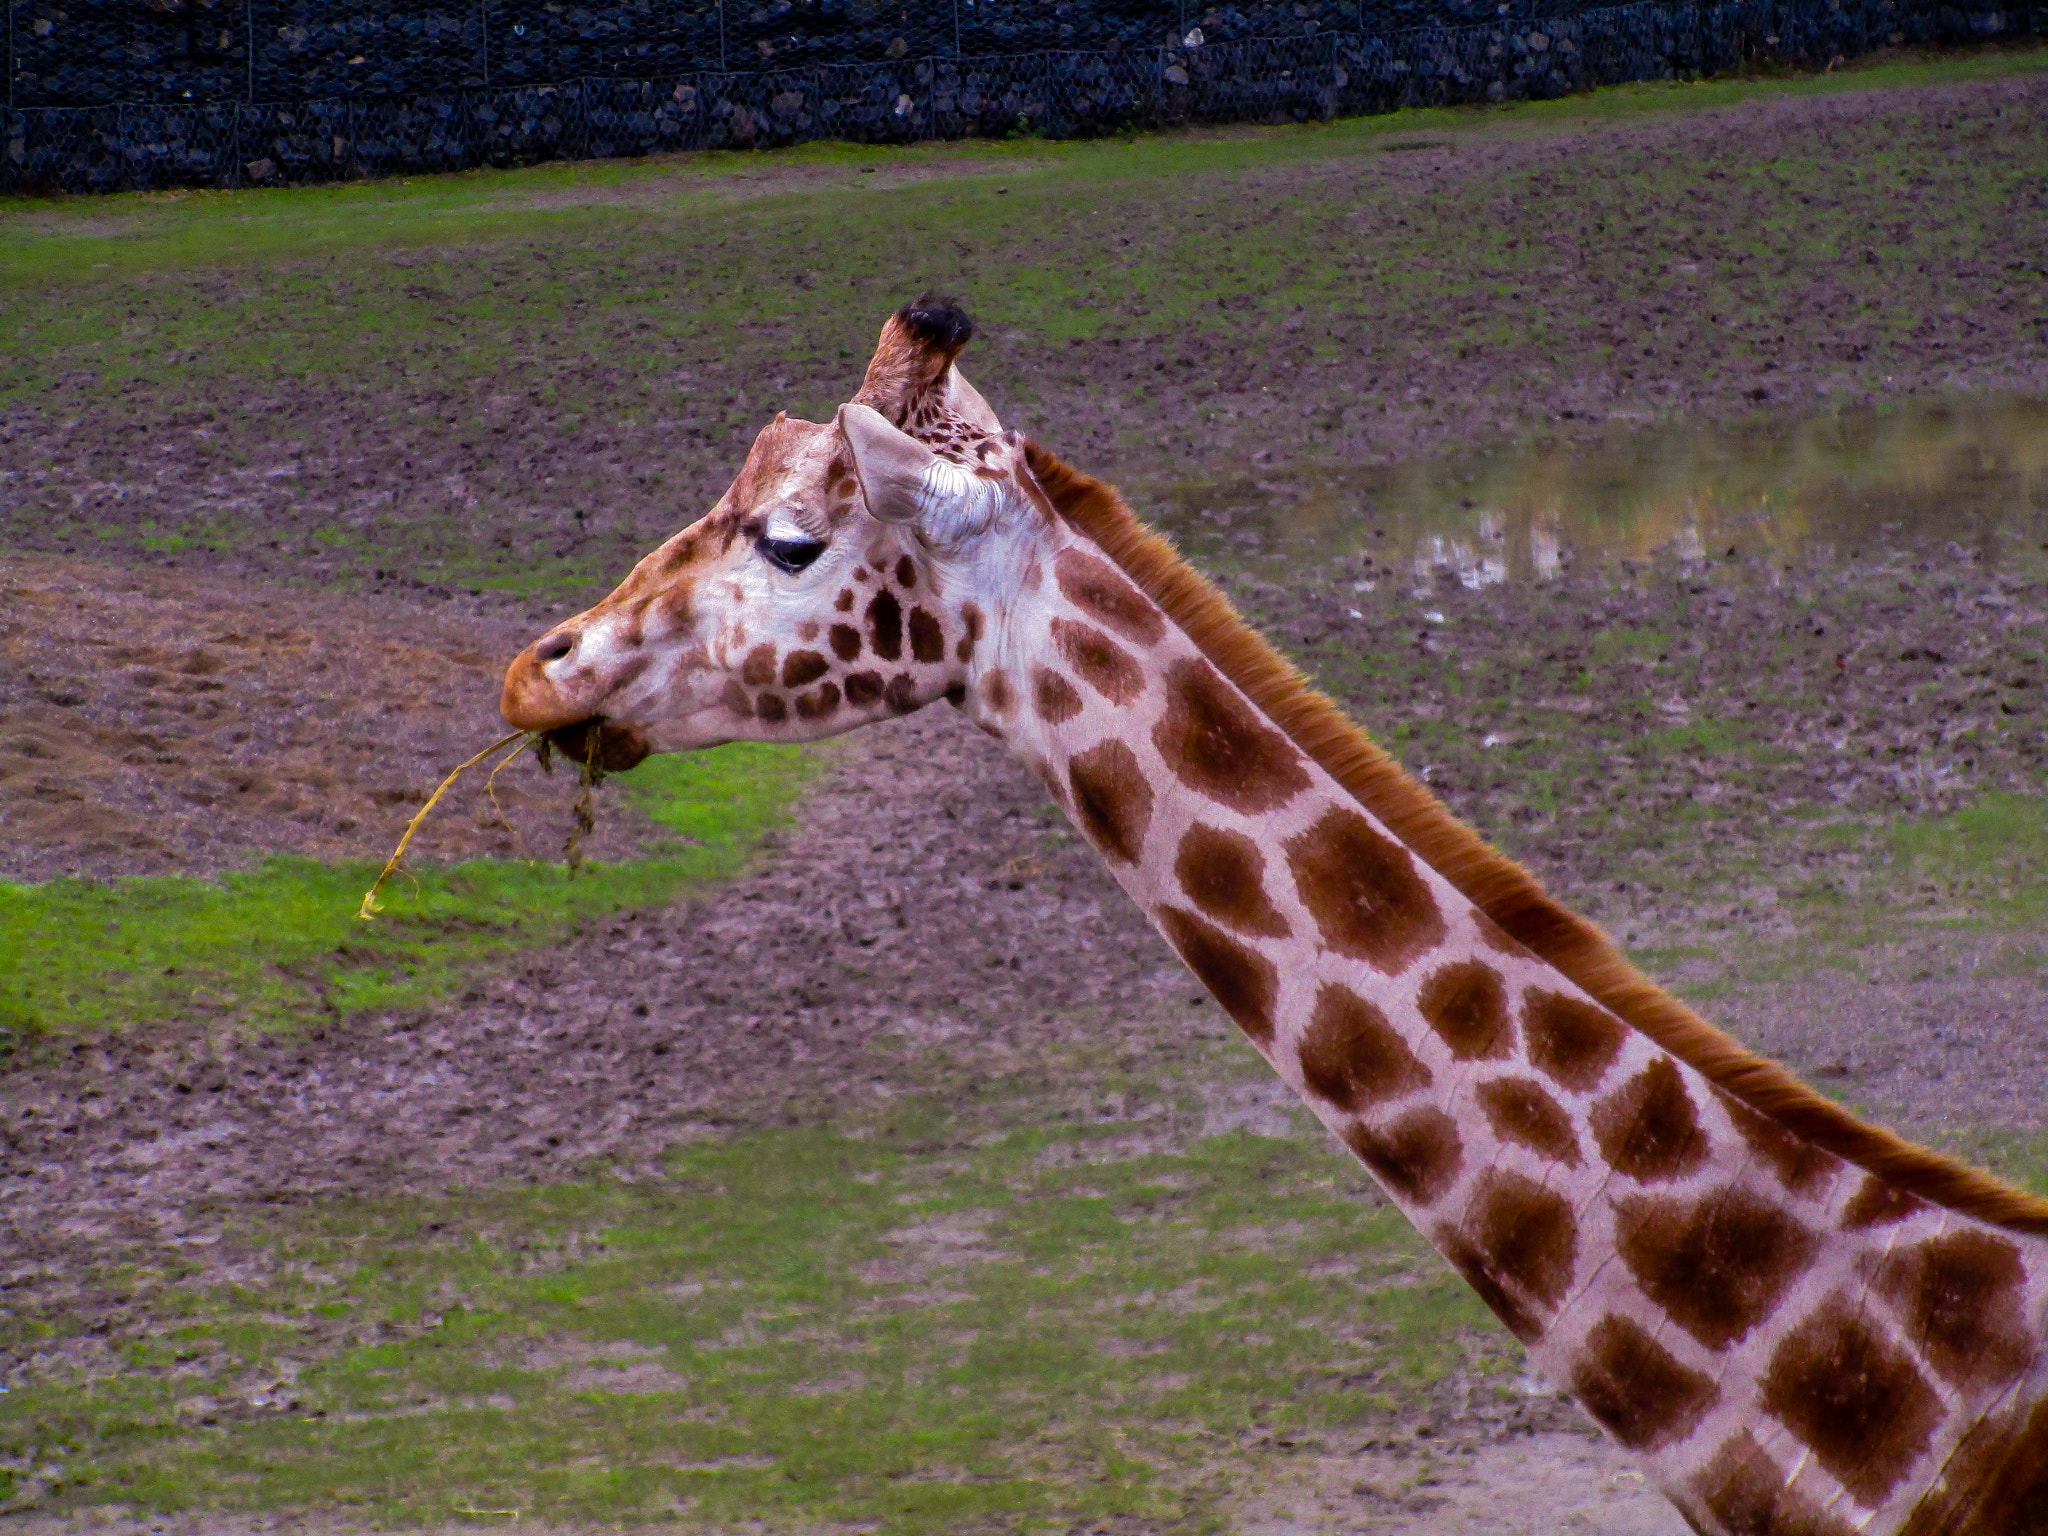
(1800, 1324)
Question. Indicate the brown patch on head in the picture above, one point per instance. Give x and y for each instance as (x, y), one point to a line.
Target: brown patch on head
(1799, 1165)
(906, 571)
(1853, 1397)
(1098, 590)
(843, 603)
(819, 702)
(1517, 1245)
(845, 642)
(901, 694)
(1224, 874)
(1466, 1003)
(802, 668)
(1242, 980)
(1879, 1204)
(807, 631)
(1416, 1158)
(1719, 1266)
(758, 670)
(770, 707)
(996, 692)
(1053, 696)
(885, 625)
(863, 689)
(1362, 889)
(1106, 666)
(1112, 801)
(1351, 1055)
(1648, 1128)
(927, 640)
(1996, 1482)
(972, 627)
(1520, 1111)
(1644, 1394)
(1216, 744)
(1963, 1298)
(1748, 1495)
(737, 699)
(1570, 1041)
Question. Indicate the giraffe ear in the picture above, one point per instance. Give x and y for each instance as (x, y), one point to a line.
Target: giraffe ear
(905, 482)
(890, 464)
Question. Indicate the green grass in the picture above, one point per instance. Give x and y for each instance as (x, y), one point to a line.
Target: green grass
(907, 1326)
(282, 942)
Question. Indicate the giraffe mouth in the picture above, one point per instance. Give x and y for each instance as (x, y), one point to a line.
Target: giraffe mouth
(601, 744)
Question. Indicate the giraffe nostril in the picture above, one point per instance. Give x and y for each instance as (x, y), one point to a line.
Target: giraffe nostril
(555, 647)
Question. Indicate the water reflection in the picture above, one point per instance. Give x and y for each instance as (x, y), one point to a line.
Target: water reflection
(1816, 489)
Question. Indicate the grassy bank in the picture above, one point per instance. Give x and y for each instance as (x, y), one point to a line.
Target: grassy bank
(909, 1325)
(283, 942)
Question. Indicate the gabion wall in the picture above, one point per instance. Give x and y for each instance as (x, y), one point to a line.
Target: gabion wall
(112, 94)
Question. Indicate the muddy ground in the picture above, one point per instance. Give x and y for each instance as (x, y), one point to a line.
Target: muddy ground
(926, 922)
(160, 723)
(546, 406)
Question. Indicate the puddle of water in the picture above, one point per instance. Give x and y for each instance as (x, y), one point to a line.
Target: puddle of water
(1811, 490)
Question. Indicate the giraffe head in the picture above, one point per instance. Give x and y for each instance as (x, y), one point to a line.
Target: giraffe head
(832, 585)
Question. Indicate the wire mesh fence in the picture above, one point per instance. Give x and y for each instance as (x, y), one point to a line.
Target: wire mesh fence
(129, 94)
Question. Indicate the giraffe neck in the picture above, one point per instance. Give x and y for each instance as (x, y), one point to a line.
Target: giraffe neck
(1788, 1342)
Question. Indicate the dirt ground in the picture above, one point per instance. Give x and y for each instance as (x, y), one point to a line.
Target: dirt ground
(1723, 263)
(926, 921)
(181, 722)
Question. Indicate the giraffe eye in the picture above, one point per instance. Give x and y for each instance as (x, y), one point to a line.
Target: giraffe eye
(790, 555)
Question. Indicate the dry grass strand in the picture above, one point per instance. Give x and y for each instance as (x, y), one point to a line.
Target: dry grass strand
(371, 906)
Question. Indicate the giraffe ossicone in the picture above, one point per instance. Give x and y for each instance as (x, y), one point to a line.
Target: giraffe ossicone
(1802, 1325)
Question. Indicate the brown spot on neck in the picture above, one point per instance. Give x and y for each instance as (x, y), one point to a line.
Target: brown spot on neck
(1644, 1394)
(1416, 1158)
(1517, 1246)
(1720, 1265)
(1241, 979)
(1963, 1296)
(1520, 1111)
(1466, 1003)
(1362, 889)
(1744, 1490)
(1217, 745)
(1352, 1057)
(1100, 591)
(1649, 1128)
(1053, 696)
(1855, 1398)
(1103, 664)
(1223, 873)
(1111, 799)
(1570, 1041)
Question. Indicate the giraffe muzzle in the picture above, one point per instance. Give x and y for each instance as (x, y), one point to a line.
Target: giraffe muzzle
(533, 701)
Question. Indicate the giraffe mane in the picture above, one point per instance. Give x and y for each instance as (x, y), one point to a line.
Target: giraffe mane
(1499, 887)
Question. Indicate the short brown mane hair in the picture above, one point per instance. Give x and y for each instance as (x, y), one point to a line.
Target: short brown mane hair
(1494, 883)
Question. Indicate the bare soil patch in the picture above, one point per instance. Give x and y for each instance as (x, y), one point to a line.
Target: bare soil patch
(158, 723)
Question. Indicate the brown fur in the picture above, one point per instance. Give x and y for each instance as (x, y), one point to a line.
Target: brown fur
(1499, 887)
